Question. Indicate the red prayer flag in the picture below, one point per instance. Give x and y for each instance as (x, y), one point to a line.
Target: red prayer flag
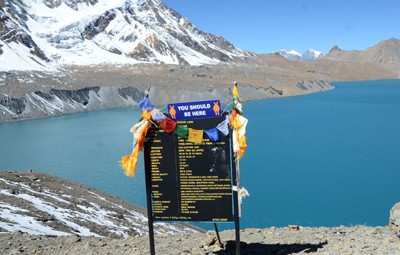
(168, 125)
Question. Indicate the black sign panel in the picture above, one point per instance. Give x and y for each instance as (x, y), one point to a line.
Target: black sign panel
(188, 181)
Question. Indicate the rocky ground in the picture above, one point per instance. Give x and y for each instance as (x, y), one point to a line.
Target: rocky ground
(42, 204)
(43, 214)
(279, 241)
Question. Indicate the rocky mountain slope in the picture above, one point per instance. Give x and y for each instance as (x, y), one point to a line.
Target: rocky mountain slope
(44, 35)
(40, 204)
(36, 94)
(385, 54)
(42, 214)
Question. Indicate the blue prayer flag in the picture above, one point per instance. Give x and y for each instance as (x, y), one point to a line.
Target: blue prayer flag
(213, 134)
(145, 104)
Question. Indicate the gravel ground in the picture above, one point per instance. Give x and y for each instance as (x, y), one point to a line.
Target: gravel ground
(280, 241)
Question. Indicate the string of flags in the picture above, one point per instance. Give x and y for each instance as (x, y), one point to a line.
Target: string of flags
(151, 115)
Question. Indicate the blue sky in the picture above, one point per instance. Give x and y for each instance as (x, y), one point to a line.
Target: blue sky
(265, 26)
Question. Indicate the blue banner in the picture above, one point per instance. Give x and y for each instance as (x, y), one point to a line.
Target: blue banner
(194, 110)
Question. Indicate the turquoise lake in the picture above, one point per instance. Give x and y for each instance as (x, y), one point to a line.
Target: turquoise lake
(324, 159)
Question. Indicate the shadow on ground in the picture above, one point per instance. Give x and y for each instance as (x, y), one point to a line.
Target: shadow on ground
(269, 249)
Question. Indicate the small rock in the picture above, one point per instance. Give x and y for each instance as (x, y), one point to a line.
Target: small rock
(164, 234)
(100, 244)
(210, 241)
(87, 246)
(32, 177)
(72, 239)
(294, 227)
(394, 219)
(12, 252)
(22, 248)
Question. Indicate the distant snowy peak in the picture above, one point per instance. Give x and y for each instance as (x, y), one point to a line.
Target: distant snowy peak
(308, 55)
(41, 33)
(311, 54)
(289, 54)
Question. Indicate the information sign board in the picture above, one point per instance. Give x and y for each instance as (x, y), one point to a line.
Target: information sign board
(188, 181)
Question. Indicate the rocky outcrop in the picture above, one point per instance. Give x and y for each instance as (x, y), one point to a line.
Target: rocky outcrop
(98, 25)
(11, 32)
(394, 219)
(15, 105)
(55, 102)
(70, 3)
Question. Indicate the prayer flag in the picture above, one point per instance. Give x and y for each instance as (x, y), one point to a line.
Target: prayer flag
(195, 136)
(129, 162)
(242, 146)
(224, 126)
(145, 104)
(182, 131)
(239, 124)
(243, 125)
(235, 91)
(146, 115)
(168, 125)
(237, 106)
(213, 134)
(156, 115)
(137, 130)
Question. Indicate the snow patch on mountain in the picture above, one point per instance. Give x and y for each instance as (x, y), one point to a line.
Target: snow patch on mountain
(289, 54)
(311, 54)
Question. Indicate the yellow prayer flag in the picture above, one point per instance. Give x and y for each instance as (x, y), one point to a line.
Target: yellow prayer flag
(195, 136)
(242, 146)
(236, 91)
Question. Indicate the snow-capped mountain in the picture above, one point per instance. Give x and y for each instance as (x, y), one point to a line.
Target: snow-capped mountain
(289, 54)
(308, 55)
(40, 34)
(311, 54)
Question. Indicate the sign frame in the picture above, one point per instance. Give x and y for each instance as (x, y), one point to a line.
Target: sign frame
(151, 197)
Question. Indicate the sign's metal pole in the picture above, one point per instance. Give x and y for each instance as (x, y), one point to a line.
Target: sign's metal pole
(235, 198)
(150, 214)
(236, 219)
(218, 237)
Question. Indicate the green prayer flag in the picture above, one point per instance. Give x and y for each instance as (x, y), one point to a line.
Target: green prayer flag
(181, 131)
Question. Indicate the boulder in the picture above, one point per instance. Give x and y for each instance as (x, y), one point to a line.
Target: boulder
(394, 219)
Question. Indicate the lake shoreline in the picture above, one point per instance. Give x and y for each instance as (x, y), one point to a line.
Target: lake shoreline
(59, 102)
